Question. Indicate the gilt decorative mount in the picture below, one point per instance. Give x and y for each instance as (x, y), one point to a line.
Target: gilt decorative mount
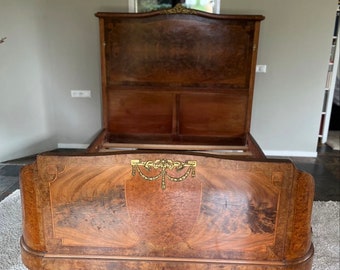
(162, 166)
(179, 9)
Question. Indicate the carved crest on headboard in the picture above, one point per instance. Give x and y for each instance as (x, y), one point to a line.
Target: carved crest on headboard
(179, 9)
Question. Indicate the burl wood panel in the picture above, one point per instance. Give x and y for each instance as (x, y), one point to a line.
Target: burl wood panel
(165, 211)
(184, 50)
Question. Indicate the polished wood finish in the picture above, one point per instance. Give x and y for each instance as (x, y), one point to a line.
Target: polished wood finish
(177, 78)
(174, 180)
(111, 211)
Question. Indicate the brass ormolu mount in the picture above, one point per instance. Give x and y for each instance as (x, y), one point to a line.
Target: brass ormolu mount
(179, 9)
(163, 165)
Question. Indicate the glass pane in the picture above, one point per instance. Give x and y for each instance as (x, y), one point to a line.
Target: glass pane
(212, 6)
(148, 5)
(204, 5)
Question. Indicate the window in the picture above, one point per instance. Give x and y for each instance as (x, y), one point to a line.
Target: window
(212, 6)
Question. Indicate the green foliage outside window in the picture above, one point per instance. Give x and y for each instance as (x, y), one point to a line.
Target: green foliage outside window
(148, 5)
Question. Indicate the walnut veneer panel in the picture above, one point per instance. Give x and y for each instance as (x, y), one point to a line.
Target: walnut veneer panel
(215, 115)
(177, 73)
(165, 211)
(184, 50)
(134, 112)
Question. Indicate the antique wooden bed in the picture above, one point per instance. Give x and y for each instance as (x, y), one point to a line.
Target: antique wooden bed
(174, 180)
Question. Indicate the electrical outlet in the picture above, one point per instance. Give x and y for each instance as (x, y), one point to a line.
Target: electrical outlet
(81, 93)
(261, 68)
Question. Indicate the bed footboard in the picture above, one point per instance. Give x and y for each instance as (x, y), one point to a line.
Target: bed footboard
(165, 211)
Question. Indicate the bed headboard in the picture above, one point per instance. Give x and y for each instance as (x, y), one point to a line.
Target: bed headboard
(178, 75)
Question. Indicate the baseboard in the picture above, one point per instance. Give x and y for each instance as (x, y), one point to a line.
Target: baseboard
(72, 145)
(290, 153)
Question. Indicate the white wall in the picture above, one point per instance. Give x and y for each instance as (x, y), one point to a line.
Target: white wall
(74, 55)
(53, 47)
(24, 111)
(295, 44)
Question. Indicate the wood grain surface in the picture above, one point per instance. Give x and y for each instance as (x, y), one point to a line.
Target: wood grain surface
(226, 212)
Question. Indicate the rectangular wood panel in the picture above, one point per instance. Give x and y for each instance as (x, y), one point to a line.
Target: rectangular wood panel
(182, 50)
(213, 114)
(132, 112)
